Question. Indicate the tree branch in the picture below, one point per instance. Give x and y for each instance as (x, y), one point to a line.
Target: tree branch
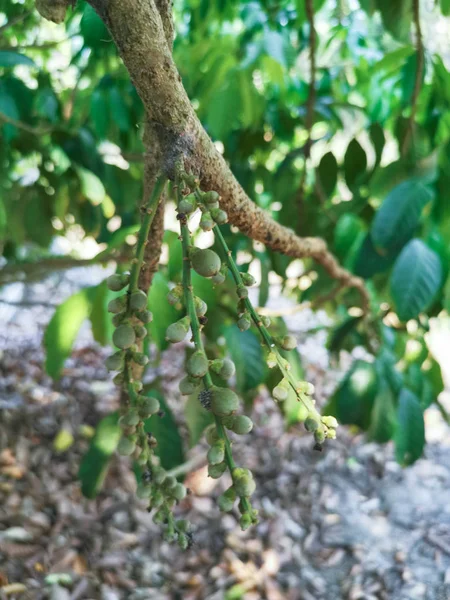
(24, 126)
(137, 29)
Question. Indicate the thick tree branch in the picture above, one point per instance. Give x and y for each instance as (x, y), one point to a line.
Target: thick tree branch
(137, 29)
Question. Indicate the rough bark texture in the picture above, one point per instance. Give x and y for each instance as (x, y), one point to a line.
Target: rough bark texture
(139, 31)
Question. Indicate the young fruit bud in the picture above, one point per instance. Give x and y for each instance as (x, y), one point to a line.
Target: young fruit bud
(170, 482)
(131, 419)
(176, 332)
(244, 483)
(223, 367)
(271, 360)
(143, 491)
(330, 422)
(216, 454)
(188, 386)
(187, 205)
(140, 332)
(137, 386)
(218, 278)
(287, 342)
(179, 492)
(118, 379)
(206, 262)
(183, 541)
(200, 307)
(197, 365)
(245, 521)
(219, 216)
(138, 300)
(145, 316)
(159, 516)
(311, 424)
(242, 425)
(117, 305)
(115, 361)
(140, 359)
(126, 447)
(206, 222)
(224, 402)
(331, 434)
(242, 292)
(124, 336)
(175, 295)
(148, 407)
(211, 435)
(117, 282)
(244, 322)
(248, 279)
(227, 500)
(183, 526)
(191, 180)
(210, 197)
(265, 321)
(216, 471)
(281, 391)
(157, 498)
(319, 436)
(119, 318)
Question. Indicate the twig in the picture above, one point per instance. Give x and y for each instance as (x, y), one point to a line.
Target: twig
(24, 126)
(192, 464)
(418, 80)
(443, 411)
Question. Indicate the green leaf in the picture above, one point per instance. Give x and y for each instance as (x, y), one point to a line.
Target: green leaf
(102, 327)
(354, 398)
(399, 215)
(8, 107)
(197, 418)
(46, 105)
(383, 418)
(119, 110)
(165, 430)
(95, 463)
(393, 60)
(294, 411)
(247, 354)
(397, 17)
(13, 59)
(445, 7)
(347, 229)
(410, 433)
(99, 112)
(368, 261)
(415, 279)
(165, 314)
(340, 333)
(378, 140)
(355, 164)
(91, 186)
(327, 173)
(63, 329)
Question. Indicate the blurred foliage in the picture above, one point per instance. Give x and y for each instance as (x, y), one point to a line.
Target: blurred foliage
(71, 158)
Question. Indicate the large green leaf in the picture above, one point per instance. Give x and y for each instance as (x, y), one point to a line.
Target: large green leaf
(95, 462)
(165, 430)
(327, 172)
(63, 328)
(415, 279)
(410, 432)
(399, 215)
(397, 17)
(355, 164)
(347, 229)
(13, 59)
(246, 352)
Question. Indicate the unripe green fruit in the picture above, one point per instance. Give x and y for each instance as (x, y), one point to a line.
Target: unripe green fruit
(210, 197)
(216, 454)
(159, 475)
(266, 321)
(118, 379)
(248, 279)
(137, 386)
(140, 359)
(242, 292)
(138, 300)
(187, 205)
(224, 402)
(245, 521)
(228, 369)
(218, 278)
(244, 323)
(319, 436)
(188, 386)
(119, 318)
(143, 491)
(117, 282)
(175, 295)
(117, 305)
(216, 471)
(271, 360)
(242, 425)
(131, 419)
(219, 216)
(183, 541)
(170, 482)
(200, 307)
(206, 262)
(311, 424)
(145, 316)
(206, 222)
(280, 393)
(159, 517)
(115, 361)
(124, 336)
(179, 492)
(183, 525)
(330, 422)
(226, 500)
(176, 332)
(126, 447)
(140, 332)
(288, 342)
(148, 407)
(197, 365)
(243, 481)
(211, 435)
(191, 180)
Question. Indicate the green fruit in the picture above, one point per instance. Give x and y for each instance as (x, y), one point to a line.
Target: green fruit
(170, 482)
(197, 365)
(218, 278)
(140, 359)
(319, 436)
(216, 454)
(159, 517)
(224, 402)
(117, 282)
(206, 262)
(119, 318)
(216, 471)
(243, 482)
(145, 316)
(191, 180)
(140, 331)
(117, 305)
(148, 407)
(248, 279)
(176, 332)
(245, 521)
(124, 336)
(118, 379)
(227, 499)
(228, 369)
(200, 307)
(144, 491)
(330, 422)
(288, 342)
(242, 425)
(211, 435)
(183, 541)
(115, 361)
(187, 205)
(280, 393)
(206, 222)
(244, 323)
(126, 447)
(175, 295)
(179, 492)
(266, 321)
(138, 300)
(242, 292)
(219, 216)
(131, 419)
(210, 197)
(311, 424)
(183, 525)
(188, 386)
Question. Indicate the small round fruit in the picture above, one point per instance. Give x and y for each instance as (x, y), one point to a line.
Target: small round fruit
(148, 407)
(206, 262)
(176, 332)
(228, 369)
(140, 331)
(126, 447)
(224, 402)
(244, 323)
(319, 436)
(188, 386)
(242, 425)
(244, 483)
(179, 492)
(280, 393)
(211, 435)
(216, 454)
(131, 419)
(216, 471)
(218, 278)
(116, 305)
(115, 361)
(226, 500)
(187, 205)
(197, 365)
(145, 316)
(219, 216)
(248, 279)
(211, 197)
(288, 342)
(138, 300)
(117, 282)
(206, 222)
(124, 336)
(242, 292)
(245, 521)
(143, 491)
